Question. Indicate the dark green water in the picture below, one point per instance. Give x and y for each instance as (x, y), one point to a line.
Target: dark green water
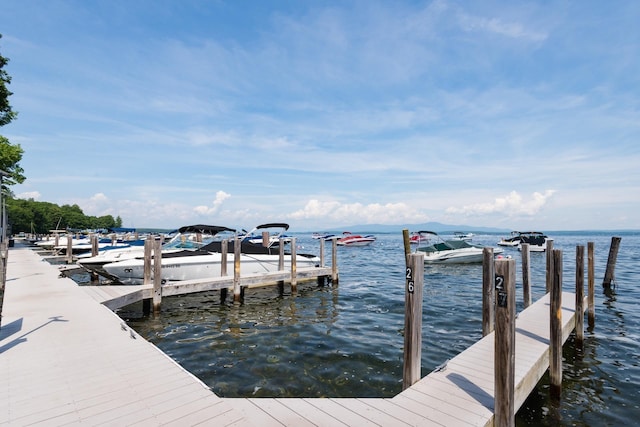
(346, 340)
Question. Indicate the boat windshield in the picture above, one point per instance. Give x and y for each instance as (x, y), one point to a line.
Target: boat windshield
(196, 240)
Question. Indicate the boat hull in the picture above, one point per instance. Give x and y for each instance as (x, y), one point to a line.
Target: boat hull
(131, 272)
(454, 257)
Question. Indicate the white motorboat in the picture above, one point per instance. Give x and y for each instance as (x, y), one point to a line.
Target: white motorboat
(202, 265)
(322, 236)
(187, 238)
(537, 241)
(205, 262)
(459, 235)
(350, 239)
(452, 251)
(513, 240)
(276, 232)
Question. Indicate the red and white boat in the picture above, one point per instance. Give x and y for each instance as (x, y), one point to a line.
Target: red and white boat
(355, 239)
(418, 237)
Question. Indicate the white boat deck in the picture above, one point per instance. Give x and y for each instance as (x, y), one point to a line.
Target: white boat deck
(67, 360)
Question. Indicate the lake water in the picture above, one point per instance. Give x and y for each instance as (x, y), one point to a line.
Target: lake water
(346, 340)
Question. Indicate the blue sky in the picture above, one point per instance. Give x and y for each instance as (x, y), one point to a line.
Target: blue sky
(324, 114)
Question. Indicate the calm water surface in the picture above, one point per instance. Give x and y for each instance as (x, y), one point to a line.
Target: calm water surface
(346, 340)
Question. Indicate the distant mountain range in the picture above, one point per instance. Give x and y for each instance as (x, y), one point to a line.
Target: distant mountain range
(431, 226)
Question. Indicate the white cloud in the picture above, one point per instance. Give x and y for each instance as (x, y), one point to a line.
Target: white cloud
(221, 196)
(35, 195)
(390, 213)
(511, 205)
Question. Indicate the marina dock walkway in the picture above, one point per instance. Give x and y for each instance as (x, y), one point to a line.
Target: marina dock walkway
(65, 359)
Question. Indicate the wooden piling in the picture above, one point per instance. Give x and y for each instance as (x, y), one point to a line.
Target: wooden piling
(555, 337)
(157, 275)
(281, 258)
(488, 286)
(549, 271)
(224, 256)
(281, 268)
(609, 275)
(94, 245)
(69, 253)
(526, 275)
(504, 342)
(413, 320)
(237, 290)
(406, 238)
(334, 261)
(148, 249)
(591, 286)
(579, 296)
(322, 260)
(294, 268)
(95, 249)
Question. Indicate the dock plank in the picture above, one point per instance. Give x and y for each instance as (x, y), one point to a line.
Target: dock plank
(66, 359)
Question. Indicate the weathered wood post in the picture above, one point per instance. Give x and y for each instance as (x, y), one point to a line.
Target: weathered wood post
(526, 274)
(281, 267)
(148, 249)
(555, 336)
(609, 275)
(265, 239)
(406, 238)
(591, 286)
(579, 296)
(281, 257)
(334, 261)
(157, 275)
(549, 271)
(69, 253)
(146, 272)
(413, 320)
(294, 266)
(322, 279)
(94, 252)
(224, 256)
(94, 245)
(488, 286)
(504, 343)
(237, 289)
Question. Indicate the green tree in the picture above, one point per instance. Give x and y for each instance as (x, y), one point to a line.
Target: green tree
(10, 154)
(40, 217)
(6, 113)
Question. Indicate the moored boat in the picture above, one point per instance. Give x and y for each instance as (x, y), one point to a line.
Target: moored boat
(186, 238)
(454, 251)
(206, 262)
(418, 237)
(459, 235)
(537, 241)
(350, 239)
(512, 240)
(276, 232)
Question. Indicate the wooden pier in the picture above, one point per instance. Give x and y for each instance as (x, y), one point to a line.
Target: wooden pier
(66, 359)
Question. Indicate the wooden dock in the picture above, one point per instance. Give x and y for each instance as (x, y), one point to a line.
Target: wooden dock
(66, 359)
(117, 296)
